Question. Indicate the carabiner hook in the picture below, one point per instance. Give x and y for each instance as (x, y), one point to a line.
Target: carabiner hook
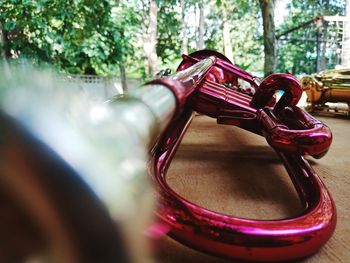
(240, 238)
(279, 81)
(287, 128)
(290, 131)
(313, 138)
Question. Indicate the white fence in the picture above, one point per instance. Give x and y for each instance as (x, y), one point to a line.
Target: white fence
(98, 88)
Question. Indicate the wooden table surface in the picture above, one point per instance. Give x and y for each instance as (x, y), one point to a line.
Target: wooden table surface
(229, 170)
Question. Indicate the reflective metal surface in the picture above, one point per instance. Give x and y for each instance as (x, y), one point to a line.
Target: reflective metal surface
(328, 91)
(77, 169)
(289, 130)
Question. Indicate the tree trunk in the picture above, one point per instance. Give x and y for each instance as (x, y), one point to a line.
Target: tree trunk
(151, 40)
(3, 52)
(123, 76)
(323, 59)
(200, 43)
(184, 42)
(345, 57)
(226, 32)
(318, 47)
(324, 43)
(267, 10)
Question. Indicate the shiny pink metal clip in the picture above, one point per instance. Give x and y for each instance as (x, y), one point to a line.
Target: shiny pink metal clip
(208, 83)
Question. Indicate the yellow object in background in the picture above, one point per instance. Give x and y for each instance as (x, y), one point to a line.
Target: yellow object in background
(328, 91)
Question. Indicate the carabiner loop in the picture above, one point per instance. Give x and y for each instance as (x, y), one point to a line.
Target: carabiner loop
(290, 131)
(313, 138)
(279, 81)
(239, 238)
(286, 127)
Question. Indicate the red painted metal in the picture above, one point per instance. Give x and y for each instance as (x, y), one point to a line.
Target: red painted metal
(203, 78)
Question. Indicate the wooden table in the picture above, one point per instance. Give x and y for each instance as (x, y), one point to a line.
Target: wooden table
(229, 170)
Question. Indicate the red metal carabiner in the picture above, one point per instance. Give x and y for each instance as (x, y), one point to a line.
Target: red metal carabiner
(246, 239)
(240, 238)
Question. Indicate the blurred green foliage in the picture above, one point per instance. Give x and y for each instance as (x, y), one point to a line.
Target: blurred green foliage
(95, 37)
(77, 36)
(299, 56)
(244, 19)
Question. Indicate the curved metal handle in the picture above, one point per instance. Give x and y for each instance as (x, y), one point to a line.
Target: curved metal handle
(238, 238)
(279, 81)
(313, 138)
(299, 132)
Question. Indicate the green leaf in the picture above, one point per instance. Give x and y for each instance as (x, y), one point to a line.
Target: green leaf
(9, 25)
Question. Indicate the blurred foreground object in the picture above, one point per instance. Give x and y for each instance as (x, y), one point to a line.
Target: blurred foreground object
(328, 91)
(73, 171)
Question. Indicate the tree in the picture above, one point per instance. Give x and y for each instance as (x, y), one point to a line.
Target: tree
(345, 58)
(200, 41)
(125, 19)
(103, 37)
(244, 36)
(267, 10)
(226, 32)
(150, 39)
(3, 53)
(298, 52)
(74, 36)
(184, 42)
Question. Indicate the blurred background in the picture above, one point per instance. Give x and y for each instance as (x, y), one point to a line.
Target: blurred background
(114, 44)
